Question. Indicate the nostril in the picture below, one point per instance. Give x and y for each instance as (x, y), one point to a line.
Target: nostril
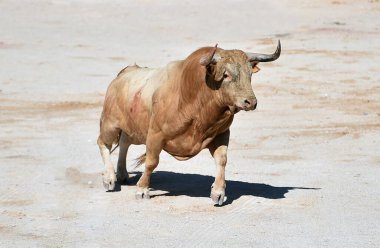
(255, 105)
(247, 102)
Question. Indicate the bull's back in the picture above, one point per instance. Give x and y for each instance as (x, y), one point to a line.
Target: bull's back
(128, 102)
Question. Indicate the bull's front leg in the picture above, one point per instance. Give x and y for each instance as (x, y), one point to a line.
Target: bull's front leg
(154, 145)
(218, 149)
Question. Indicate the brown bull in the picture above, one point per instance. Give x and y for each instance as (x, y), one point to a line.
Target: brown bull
(181, 108)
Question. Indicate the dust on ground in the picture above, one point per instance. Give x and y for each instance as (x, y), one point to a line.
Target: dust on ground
(302, 169)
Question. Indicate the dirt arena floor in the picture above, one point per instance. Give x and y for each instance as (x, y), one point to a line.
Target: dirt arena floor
(303, 169)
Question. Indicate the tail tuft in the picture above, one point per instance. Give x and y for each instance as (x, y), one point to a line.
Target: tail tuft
(140, 160)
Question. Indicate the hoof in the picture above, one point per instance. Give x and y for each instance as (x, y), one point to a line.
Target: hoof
(122, 177)
(218, 196)
(109, 182)
(142, 194)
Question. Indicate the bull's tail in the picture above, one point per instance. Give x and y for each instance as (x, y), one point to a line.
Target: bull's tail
(140, 160)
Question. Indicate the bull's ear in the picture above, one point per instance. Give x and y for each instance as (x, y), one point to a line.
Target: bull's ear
(255, 69)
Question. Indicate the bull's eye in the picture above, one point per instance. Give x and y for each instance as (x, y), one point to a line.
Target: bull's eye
(226, 76)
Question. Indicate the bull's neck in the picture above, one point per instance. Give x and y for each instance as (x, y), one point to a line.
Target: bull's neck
(197, 99)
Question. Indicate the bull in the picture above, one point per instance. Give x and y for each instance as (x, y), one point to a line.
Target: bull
(181, 108)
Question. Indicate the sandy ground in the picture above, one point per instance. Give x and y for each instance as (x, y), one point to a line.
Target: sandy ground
(303, 169)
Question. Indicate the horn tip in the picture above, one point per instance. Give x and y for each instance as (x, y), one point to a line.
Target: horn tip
(278, 50)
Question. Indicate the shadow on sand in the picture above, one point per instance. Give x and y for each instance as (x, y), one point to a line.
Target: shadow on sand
(195, 185)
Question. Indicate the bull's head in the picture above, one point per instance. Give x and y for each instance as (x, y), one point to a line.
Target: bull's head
(231, 70)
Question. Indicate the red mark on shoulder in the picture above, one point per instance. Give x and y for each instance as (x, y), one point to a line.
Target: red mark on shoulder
(135, 100)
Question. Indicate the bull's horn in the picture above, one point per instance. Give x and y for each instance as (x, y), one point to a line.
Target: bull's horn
(206, 60)
(258, 57)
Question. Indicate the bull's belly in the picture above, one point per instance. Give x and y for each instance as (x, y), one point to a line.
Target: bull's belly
(191, 143)
(183, 149)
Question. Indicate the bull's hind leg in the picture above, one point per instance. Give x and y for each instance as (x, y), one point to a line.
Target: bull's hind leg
(122, 173)
(218, 149)
(105, 141)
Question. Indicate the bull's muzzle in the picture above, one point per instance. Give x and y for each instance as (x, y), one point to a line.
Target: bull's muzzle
(247, 104)
(250, 104)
